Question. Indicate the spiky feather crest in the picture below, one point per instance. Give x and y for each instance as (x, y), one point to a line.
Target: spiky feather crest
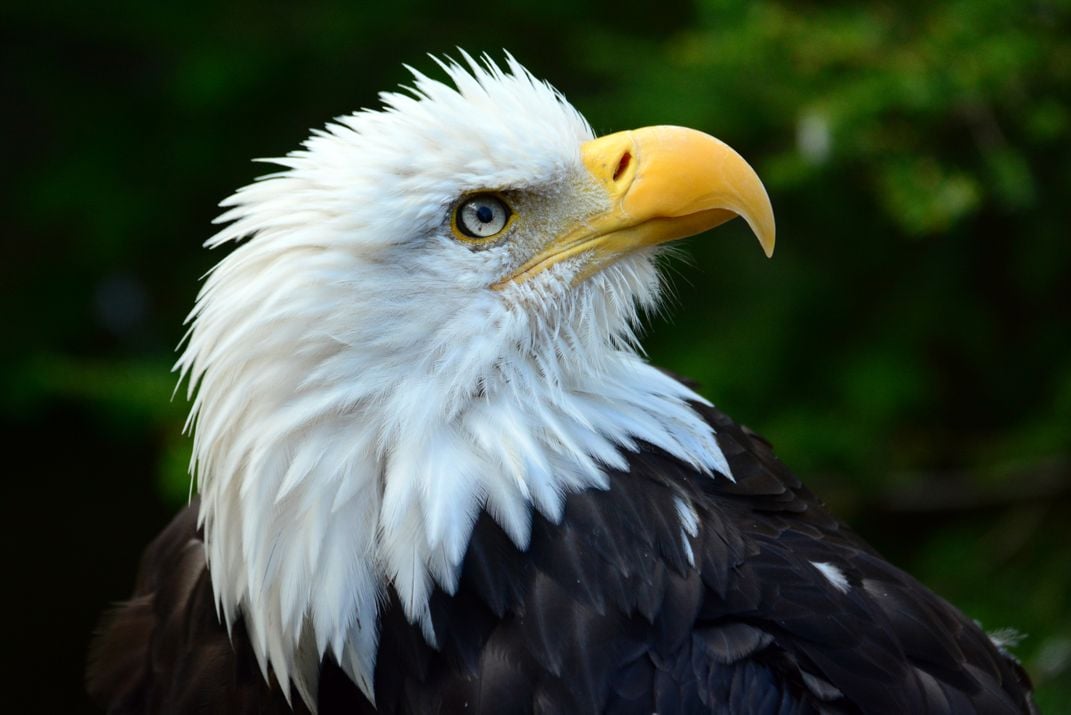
(360, 393)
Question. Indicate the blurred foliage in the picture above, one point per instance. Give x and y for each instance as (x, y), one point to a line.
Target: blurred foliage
(908, 349)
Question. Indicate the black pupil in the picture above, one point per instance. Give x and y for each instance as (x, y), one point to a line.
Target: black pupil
(484, 214)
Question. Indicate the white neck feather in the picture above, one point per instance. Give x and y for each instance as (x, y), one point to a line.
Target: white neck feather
(317, 493)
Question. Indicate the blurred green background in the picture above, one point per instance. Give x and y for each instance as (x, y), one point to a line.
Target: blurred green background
(908, 350)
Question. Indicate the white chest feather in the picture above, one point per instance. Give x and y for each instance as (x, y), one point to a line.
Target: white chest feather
(308, 523)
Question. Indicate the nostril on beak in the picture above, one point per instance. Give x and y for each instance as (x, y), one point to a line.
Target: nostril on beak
(622, 165)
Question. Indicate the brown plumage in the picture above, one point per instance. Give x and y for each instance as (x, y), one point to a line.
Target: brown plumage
(604, 613)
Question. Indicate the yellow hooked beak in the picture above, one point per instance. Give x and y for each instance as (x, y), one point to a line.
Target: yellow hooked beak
(663, 183)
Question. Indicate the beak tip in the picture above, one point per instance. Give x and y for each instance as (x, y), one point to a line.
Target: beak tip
(766, 233)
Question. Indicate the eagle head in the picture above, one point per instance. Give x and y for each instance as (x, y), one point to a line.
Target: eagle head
(431, 313)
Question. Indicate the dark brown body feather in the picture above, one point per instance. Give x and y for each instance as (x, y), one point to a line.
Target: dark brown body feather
(603, 613)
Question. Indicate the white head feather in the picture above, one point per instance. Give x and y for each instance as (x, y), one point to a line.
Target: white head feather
(361, 391)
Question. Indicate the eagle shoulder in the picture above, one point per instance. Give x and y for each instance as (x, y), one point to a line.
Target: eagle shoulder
(165, 649)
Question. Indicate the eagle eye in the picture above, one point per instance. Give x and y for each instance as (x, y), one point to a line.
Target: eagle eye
(481, 216)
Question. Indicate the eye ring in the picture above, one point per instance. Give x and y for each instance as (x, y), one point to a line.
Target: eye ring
(480, 217)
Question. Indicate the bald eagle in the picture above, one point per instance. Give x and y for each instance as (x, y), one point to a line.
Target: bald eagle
(436, 475)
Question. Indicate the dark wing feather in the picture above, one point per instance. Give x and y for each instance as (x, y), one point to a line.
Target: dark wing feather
(605, 612)
(165, 651)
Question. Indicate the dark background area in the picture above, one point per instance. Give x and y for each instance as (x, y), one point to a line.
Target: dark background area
(908, 350)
